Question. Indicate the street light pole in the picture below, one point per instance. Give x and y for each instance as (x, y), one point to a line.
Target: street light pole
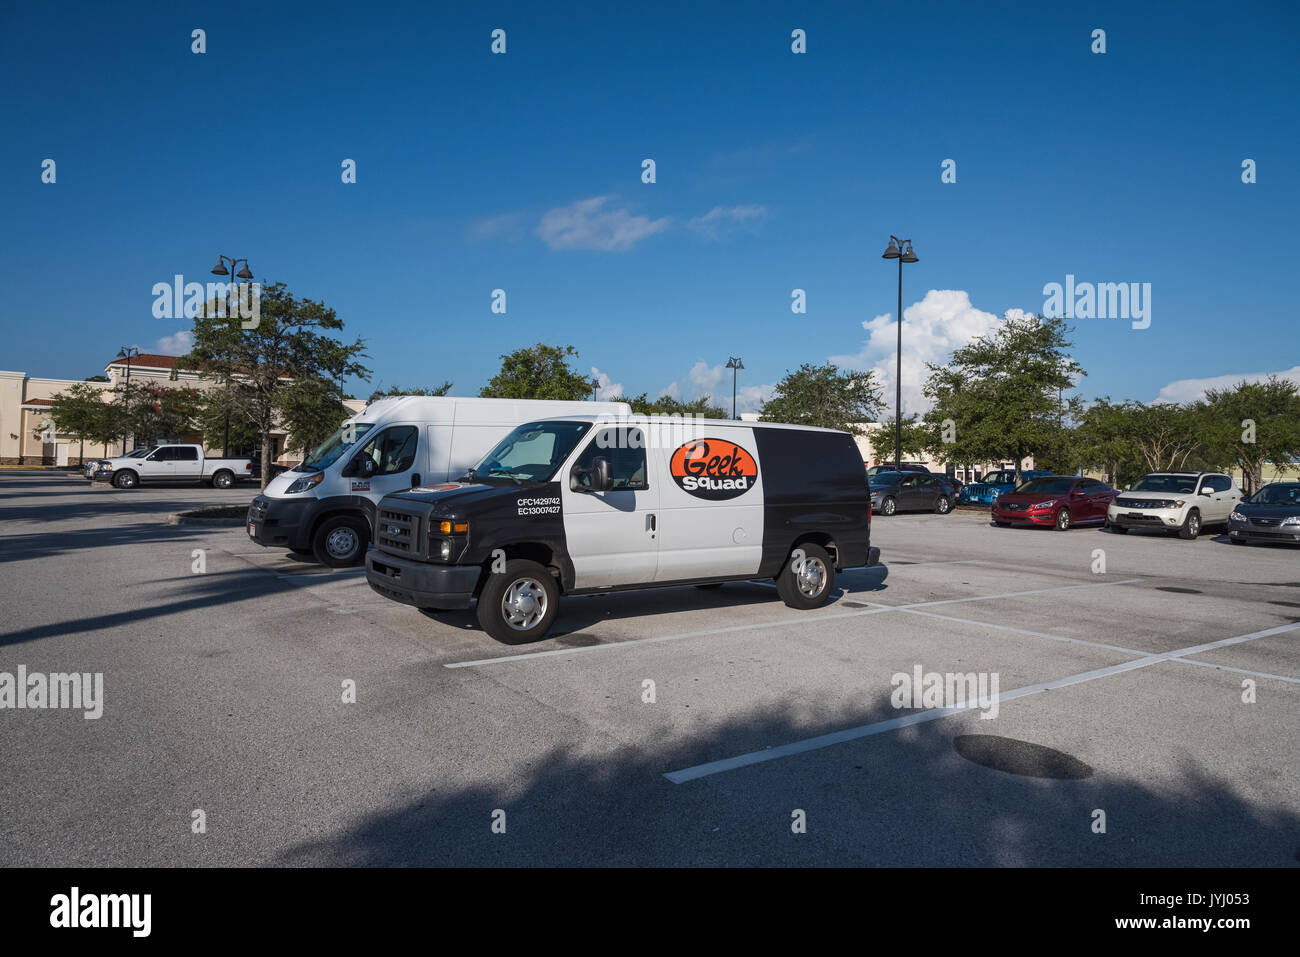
(903, 256)
(126, 353)
(735, 365)
(220, 270)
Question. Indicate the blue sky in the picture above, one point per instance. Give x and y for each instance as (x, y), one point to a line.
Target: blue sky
(775, 171)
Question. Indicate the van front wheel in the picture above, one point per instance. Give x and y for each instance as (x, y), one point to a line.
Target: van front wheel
(340, 542)
(808, 577)
(518, 605)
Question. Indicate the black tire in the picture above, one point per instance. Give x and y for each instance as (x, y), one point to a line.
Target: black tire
(126, 479)
(1191, 526)
(944, 505)
(223, 479)
(888, 506)
(520, 604)
(807, 581)
(1062, 523)
(340, 541)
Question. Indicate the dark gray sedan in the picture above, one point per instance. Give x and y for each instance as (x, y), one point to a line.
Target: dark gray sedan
(893, 492)
(1270, 515)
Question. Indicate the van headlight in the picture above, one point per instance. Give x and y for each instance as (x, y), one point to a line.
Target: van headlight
(306, 482)
(446, 539)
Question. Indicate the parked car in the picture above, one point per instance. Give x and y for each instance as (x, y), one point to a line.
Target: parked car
(326, 506)
(994, 484)
(576, 506)
(903, 467)
(893, 492)
(173, 463)
(1054, 501)
(1182, 502)
(1272, 514)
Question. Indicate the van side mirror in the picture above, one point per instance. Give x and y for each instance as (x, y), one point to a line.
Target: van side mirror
(362, 465)
(598, 478)
(1207, 491)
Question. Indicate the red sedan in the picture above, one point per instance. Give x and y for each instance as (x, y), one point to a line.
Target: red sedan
(1055, 501)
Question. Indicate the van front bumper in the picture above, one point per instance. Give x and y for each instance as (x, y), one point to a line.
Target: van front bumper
(419, 583)
(280, 522)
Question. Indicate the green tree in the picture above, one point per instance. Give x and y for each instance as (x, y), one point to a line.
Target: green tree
(667, 405)
(155, 411)
(82, 411)
(918, 437)
(1003, 394)
(824, 396)
(221, 416)
(398, 390)
(538, 372)
(290, 342)
(1252, 423)
(311, 410)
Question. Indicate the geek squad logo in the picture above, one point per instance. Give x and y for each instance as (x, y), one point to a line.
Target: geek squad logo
(713, 469)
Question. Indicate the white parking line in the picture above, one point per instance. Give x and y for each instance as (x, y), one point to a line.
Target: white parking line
(1022, 631)
(1240, 671)
(879, 727)
(802, 620)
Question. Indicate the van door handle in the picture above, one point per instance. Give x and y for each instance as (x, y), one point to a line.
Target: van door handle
(650, 523)
(415, 479)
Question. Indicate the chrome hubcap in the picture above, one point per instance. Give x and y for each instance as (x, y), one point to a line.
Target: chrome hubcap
(341, 542)
(943, 505)
(524, 604)
(1063, 519)
(810, 576)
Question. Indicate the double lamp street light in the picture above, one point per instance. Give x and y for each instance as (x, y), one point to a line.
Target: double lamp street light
(900, 249)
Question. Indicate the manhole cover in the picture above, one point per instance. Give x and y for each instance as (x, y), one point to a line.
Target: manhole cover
(1019, 757)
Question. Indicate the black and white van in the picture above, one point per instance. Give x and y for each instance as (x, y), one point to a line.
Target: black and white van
(588, 504)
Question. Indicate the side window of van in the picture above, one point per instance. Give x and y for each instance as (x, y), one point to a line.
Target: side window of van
(625, 450)
(392, 450)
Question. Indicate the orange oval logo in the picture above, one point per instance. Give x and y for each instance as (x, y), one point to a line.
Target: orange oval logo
(713, 469)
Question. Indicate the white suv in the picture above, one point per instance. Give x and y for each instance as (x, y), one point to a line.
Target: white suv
(1182, 502)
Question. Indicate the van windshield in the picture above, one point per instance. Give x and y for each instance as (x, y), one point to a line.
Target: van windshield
(329, 451)
(531, 453)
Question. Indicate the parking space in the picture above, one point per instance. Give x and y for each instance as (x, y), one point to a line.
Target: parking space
(1119, 662)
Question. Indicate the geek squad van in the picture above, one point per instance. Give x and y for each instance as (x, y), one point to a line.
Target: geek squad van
(326, 506)
(588, 504)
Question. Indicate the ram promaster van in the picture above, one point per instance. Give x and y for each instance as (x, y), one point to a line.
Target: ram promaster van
(326, 506)
(588, 504)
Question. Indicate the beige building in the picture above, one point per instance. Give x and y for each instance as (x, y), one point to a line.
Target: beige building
(27, 436)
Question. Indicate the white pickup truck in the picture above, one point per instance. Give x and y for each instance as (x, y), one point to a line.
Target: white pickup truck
(173, 463)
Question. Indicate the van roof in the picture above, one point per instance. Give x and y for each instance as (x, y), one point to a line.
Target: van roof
(476, 408)
(703, 423)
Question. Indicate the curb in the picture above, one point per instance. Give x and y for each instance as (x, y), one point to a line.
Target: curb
(188, 518)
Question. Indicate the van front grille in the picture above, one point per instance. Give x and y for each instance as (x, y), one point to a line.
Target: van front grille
(398, 532)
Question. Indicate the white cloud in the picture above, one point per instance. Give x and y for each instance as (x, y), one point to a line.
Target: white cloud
(722, 222)
(607, 391)
(177, 345)
(1189, 390)
(715, 381)
(591, 224)
(932, 328)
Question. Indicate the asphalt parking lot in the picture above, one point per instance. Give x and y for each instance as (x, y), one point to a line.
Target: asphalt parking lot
(1121, 691)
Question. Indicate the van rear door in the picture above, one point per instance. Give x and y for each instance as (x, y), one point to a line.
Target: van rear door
(613, 536)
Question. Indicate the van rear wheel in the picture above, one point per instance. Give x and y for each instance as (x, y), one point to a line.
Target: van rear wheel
(808, 577)
(518, 605)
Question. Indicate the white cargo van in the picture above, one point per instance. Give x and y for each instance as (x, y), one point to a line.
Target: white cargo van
(326, 506)
(584, 505)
